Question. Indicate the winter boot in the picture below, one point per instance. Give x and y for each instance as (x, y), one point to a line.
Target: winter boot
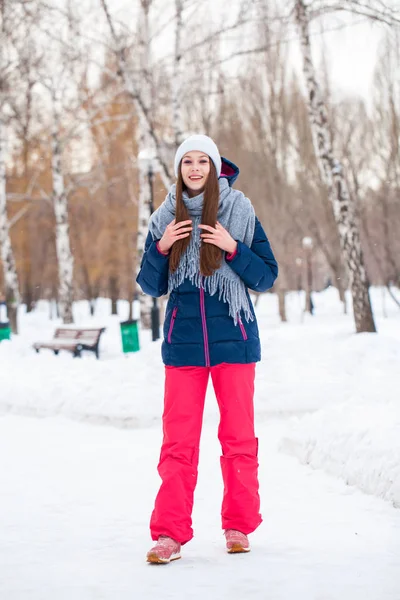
(236, 541)
(165, 550)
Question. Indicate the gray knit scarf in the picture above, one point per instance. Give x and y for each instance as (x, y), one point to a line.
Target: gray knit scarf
(236, 214)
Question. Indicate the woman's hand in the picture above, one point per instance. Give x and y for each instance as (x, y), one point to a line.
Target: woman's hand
(219, 237)
(174, 231)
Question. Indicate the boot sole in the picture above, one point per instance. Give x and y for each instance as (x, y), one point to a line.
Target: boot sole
(156, 560)
(237, 549)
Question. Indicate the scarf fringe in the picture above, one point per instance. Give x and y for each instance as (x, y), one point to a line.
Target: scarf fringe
(230, 291)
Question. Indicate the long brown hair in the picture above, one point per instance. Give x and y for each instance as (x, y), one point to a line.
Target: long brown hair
(210, 255)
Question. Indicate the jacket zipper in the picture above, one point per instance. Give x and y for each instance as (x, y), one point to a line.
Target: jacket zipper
(171, 325)
(205, 333)
(242, 329)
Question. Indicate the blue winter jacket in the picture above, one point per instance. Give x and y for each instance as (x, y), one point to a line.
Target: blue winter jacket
(198, 330)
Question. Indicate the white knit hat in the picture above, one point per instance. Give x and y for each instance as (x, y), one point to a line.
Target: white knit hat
(201, 143)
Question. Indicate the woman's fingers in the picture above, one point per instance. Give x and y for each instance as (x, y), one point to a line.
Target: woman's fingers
(183, 230)
(208, 228)
(181, 224)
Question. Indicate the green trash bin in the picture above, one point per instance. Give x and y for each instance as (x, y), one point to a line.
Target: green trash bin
(130, 336)
(5, 331)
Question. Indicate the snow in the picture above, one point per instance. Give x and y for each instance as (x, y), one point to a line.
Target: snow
(76, 505)
(75, 499)
(359, 443)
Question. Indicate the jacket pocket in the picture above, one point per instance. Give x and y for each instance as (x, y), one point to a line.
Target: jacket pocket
(172, 324)
(242, 329)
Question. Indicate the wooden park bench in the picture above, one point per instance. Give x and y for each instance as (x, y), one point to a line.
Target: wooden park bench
(73, 340)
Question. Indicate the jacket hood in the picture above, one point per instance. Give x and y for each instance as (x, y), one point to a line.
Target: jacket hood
(229, 170)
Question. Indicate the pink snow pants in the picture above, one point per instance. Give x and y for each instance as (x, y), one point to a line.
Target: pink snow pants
(185, 390)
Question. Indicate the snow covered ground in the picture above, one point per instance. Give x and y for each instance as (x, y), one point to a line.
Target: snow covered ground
(75, 505)
(75, 499)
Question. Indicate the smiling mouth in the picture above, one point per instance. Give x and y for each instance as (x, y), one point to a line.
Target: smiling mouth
(195, 177)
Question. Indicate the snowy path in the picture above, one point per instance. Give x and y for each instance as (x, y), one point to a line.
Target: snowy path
(75, 502)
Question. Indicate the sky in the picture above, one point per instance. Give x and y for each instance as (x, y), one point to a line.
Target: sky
(352, 53)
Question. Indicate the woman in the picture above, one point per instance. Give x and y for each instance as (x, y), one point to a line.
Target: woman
(206, 247)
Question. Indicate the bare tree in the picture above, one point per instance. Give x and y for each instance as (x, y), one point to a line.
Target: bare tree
(130, 85)
(60, 203)
(332, 174)
(61, 76)
(386, 150)
(71, 115)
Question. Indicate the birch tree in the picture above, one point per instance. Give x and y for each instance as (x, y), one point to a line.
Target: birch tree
(59, 77)
(311, 213)
(10, 20)
(60, 204)
(71, 114)
(332, 173)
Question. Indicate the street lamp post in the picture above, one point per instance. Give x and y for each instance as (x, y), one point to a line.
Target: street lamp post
(299, 263)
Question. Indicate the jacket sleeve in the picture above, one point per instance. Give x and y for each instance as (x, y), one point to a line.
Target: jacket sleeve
(153, 274)
(256, 266)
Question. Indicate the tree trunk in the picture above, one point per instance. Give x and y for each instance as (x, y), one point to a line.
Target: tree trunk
(28, 294)
(7, 255)
(131, 296)
(338, 275)
(26, 272)
(114, 294)
(332, 173)
(309, 303)
(308, 306)
(12, 312)
(342, 296)
(79, 251)
(54, 309)
(282, 304)
(60, 203)
(92, 306)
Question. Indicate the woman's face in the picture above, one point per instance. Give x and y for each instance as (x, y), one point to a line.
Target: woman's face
(195, 168)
